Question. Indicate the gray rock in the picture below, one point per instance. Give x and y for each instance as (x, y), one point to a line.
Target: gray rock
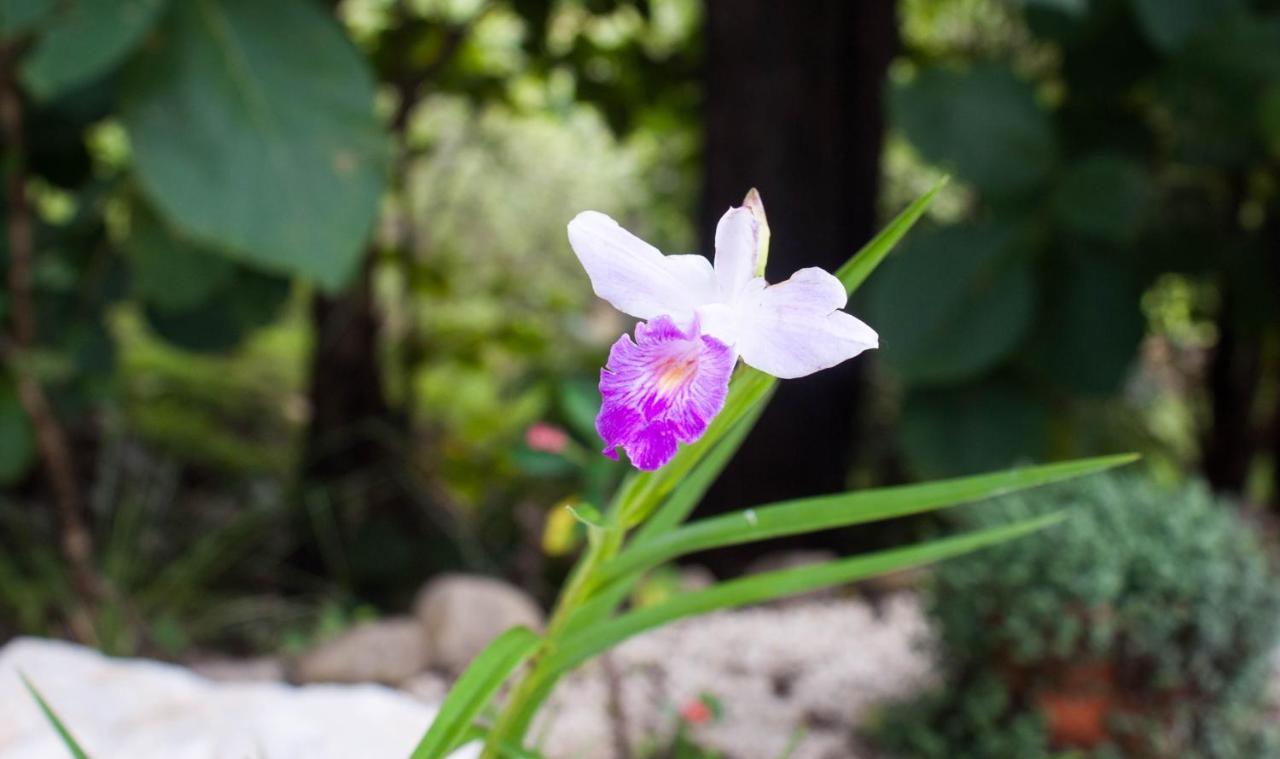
(696, 577)
(386, 651)
(462, 614)
(263, 669)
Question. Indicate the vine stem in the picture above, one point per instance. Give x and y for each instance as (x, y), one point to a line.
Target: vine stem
(51, 438)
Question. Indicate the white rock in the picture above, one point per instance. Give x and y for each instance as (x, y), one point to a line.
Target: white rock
(137, 709)
(815, 668)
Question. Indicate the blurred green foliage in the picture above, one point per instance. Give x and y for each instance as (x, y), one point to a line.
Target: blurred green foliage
(1157, 607)
(1104, 149)
(197, 179)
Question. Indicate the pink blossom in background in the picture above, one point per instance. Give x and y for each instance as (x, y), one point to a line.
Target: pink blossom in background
(546, 438)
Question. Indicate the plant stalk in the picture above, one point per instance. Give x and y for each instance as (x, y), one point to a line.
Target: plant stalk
(536, 685)
(51, 438)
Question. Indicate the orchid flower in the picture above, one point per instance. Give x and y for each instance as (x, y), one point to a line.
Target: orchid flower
(667, 385)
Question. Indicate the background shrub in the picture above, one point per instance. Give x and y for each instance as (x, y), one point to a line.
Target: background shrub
(1142, 625)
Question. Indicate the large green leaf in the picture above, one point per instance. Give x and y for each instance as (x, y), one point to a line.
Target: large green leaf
(595, 639)
(253, 129)
(473, 691)
(954, 302)
(841, 510)
(19, 16)
(84, 40)
(1103, 197)
(1092, 324)
(17, 442)
(973, 428)
(984, 124)
(1167, 24)
(249, 301)
(170, 273)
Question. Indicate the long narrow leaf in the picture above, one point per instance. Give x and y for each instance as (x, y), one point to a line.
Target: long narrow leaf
(689, 491)
(673, 511)
(473, 691)
(642, 493)
(63, 732)
(842, 510)
(765, 587)
(856, 270)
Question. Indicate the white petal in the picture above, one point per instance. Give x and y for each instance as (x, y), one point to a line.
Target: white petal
(795, 328)
(633, 275)
(737, 251)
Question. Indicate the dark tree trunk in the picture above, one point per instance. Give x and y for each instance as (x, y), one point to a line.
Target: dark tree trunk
(794, 94)
(1231, 441)
(348, 406)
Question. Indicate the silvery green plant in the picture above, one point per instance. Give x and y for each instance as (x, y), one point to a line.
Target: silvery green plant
(679, 404)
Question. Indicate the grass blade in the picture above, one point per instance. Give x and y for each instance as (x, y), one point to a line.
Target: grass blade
(474, 690)
(841, 510)
(63, 732)
(582, 646)
(856, 270)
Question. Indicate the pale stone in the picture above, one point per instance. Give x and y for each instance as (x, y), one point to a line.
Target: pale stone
(138, 709)
(462, 614)
(386, 651)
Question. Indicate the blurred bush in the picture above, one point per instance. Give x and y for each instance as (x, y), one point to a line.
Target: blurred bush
(1143, 626)
(1109, 154)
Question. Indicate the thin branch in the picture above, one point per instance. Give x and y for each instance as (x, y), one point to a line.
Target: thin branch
(51, 439)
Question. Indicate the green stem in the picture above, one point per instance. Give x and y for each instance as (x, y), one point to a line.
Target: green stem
(537, 684)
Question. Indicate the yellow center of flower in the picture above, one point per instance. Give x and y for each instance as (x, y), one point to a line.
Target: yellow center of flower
(674, 372)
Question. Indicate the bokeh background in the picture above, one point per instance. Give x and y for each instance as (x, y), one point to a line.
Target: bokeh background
(291, 323)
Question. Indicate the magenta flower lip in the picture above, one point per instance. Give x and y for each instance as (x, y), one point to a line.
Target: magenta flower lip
(663, 388)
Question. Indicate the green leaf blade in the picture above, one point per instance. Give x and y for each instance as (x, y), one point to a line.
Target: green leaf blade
(770, 585)
(63, 733)
(474, 690)
(841, 510)
(856, 270)
(641, 494)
